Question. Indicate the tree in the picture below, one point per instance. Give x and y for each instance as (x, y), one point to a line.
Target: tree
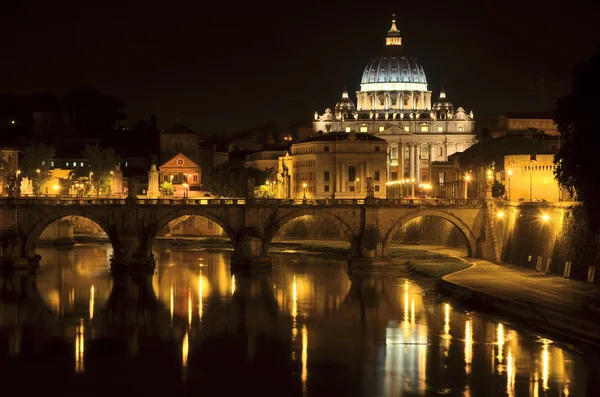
(88, 111)
(4, 171)
(99, 173)
(576, 167)
(232, 180)
(167, 189)
(36, 163)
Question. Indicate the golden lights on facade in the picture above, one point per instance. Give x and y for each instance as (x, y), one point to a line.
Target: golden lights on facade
(468, 345)
(79, 347)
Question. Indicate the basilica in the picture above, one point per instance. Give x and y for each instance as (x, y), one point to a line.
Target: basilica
(394, 103)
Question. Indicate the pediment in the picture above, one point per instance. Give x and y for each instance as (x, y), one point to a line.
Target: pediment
(180, 160)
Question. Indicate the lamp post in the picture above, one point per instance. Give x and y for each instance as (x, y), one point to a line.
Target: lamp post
(467, 179)
(509, 172)
(304, 190)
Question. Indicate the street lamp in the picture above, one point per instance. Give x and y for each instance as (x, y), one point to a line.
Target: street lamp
(304, 189)
(467, 179)
(356, 186)
(56, 188)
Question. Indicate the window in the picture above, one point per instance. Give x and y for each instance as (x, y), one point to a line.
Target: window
(166, 178)
(460, 128)
(326, 188)
(81, 164)
(195, 178)
(326, 149)
(51, 163)
(126, 164)
(351, 173)
(394, 152)
(43, 163)
(178, 146)
(364, 128)
(348, 129)
(440, 128)
(440, 152)
(376, 176)
(406, 152)
(67, 163)
(376, 188)
(393, 101)
(382, 100)
(424, 128)
(326, 176)
(377, 149)
(381, 128)
(351, 188)
(441, 177)
(394, 176)
(424, 152)
(460, 147)
(406, 128)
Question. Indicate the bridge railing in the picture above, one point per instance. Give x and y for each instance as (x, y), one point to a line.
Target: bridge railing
(32, 200)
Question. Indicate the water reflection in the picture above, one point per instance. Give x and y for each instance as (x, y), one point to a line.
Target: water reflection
(306, 328)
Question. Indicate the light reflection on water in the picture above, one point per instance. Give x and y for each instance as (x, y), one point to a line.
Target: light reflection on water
(306, 329)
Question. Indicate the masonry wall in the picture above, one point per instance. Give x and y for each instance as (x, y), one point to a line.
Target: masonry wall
(547, 245)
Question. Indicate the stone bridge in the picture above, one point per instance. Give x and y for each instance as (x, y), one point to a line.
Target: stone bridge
(132, 224)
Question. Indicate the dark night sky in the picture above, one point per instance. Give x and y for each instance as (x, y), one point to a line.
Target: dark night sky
(239, 66)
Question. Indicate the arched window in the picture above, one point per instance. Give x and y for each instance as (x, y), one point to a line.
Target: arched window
(351, 173)
(394, 153)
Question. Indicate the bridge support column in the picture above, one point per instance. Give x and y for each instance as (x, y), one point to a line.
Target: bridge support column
(248, 250)
(130, 254)
(367, 253)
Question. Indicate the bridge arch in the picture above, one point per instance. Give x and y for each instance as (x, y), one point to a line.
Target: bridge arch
(278, 222)
(164, 220)
(464, 229)
(32, 236)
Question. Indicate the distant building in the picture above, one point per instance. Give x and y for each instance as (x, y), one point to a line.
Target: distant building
(394, 103)
(531, 178)
(178, 139)
(333, 165)
(522, 122)
(265, 159)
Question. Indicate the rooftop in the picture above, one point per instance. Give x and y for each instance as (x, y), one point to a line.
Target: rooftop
(342, 136)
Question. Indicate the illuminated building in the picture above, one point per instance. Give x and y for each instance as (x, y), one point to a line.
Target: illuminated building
(333, 165)
(394, 103)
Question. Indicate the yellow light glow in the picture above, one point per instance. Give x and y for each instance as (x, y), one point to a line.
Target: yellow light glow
(545, 364)
(545, 217)
(200, 296)
(510, 373)
(232, 284)
(304, 185)
(92, 299)
(447, 335)
(467, 178)
(294, 300)
(56, 187)
(500, 342)
(500, 214)
(412, 311)
(189, 305)
(172, 301)
(79, 347)
(304, 357)
(185, 350)
(468, 345)
(510, 172)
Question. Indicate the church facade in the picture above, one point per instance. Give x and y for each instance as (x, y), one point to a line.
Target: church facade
(394, 103)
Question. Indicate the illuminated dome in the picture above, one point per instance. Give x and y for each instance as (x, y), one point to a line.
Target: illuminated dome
(392, 69)
(345, 104)
(443, 102)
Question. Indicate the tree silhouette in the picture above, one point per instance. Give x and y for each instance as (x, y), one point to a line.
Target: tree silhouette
(36, 163)
(576, 118)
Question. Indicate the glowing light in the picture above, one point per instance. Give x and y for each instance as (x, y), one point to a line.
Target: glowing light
(200, 297)
(189, 305)
(500, 214)
(545, 217)
(92, 301)
(412, 311)
(510, 373)
(185, 350)
(172, 301)
(468, 345)
(510, 172)
(294, 300)
(56, 187)
(545, 364)
(232, 284)
(304, 357)
(467, 177)
(500, 342)
(79, 347)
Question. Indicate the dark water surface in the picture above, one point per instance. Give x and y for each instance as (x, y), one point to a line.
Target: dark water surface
(304, 329)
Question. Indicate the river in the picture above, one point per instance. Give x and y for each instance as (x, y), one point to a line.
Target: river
(305, 328)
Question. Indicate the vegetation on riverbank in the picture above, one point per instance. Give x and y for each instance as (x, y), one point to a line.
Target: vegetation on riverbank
(439, 268)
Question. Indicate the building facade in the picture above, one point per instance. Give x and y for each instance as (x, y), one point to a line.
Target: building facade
(333, 165)
(531, 178)
(394, 103)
